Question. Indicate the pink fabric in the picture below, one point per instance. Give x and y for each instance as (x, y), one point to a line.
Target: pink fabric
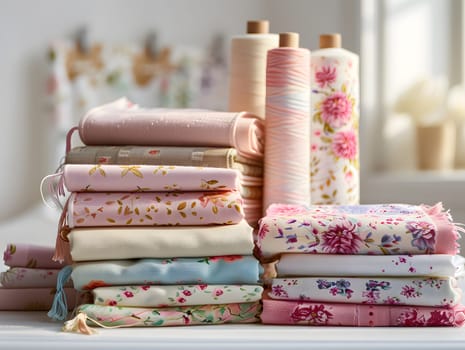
(30, 255)
(21, 277)
(327, 314)
(33, 299)
(378, 229)
(143, 178)
(154, 208)
(121, 123)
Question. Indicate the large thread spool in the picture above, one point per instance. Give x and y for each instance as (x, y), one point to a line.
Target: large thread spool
(334, 159)
(287, 124)
(248, 68)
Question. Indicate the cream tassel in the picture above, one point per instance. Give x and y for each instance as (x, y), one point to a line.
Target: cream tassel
(78, 325)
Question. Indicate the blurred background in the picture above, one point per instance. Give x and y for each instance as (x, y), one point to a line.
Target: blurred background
(59, 58)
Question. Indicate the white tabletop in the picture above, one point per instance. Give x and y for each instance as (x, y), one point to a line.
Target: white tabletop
(33, 330)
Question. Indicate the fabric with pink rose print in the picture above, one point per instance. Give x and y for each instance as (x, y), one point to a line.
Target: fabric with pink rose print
(283, 312)
(212, 270)
(147, 178)
(380, 229)
(154, 208)
(22, 277)
(33, 299)
(171, 316)
(334, 150)
(296, 265)
(420, 291)
(110, 243)
(30, 256)
(176, 295)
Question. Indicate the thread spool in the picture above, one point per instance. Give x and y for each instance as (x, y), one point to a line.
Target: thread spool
(334, 159)
(287, 124)
(247, 76)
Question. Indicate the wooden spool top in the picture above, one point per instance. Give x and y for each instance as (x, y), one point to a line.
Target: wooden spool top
(330, 40)
(289, 39)
(258, 27)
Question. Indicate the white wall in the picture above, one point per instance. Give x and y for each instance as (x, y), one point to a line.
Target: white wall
(26, 29)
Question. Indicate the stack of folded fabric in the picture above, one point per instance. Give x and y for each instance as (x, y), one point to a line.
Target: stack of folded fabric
(362, 265)
(177, 137)
(167, 244)
(30, 281)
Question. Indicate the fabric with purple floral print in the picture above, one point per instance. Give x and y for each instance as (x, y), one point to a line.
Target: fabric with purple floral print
(421, 291)
(381, 229)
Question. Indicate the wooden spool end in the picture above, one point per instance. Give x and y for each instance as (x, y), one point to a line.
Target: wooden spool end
(258, 27)
(289, 39)
(330, 40)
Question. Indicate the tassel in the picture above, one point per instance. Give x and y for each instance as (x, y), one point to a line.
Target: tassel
(62, 248)
(59, 309)
(78, 325)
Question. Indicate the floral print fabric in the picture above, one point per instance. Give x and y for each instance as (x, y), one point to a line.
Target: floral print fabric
(333, 314)
(172, 316)
(359, 229)
(21, 277)
(334, 155)
(30, 256)
(362, 265)
(229, 269)
(432, 291)
(180, 156)
(162, 296)
(154, 208)
(147, 178)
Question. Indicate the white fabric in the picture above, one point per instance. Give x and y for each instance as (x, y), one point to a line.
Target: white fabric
(363, 265)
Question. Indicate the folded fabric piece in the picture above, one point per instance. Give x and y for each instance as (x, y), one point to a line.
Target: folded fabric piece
(162, 296)
(21, 277)
(122, 123)
(32, 299)
(187, 156)
(145, 178)
(230, 269)
(328, 314)
(30, 255)
(359, 229)
(88, 244)
(110, 316)
(154, 208)
(363, 265)
(416, 291)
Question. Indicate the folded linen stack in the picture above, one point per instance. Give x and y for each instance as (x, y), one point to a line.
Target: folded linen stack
(362, 265)
(167, 243)
(30, 281)
(187, 137)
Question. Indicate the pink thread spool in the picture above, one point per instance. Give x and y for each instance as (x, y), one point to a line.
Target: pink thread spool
(287, 124)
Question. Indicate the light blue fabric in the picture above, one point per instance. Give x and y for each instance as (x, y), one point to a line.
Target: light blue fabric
(219, 270)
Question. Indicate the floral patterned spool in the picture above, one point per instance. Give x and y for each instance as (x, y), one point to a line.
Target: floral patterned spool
(334, 150)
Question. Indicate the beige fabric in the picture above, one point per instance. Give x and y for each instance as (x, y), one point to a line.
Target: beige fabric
(187, 156)
(152, 242)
